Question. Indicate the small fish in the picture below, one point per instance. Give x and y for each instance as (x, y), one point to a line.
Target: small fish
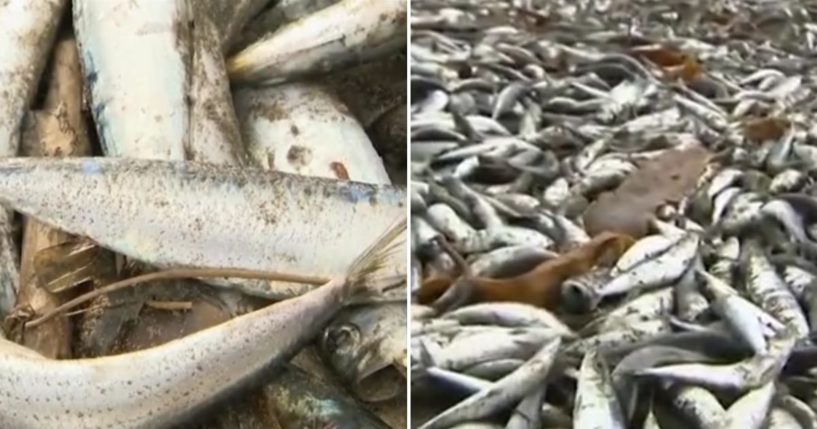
(22, 60)
(663, 269)
(767, 289)
(698, 405)
(150, 118)
(596, 404)
(510, 314)
(503, 393)
(751, 409)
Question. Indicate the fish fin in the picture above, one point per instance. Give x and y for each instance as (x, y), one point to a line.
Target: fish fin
(360, 277)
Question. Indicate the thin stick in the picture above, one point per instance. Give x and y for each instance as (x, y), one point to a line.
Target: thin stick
(170, 305)
(176, 273)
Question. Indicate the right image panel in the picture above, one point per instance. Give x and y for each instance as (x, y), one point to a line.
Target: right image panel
(613, 214)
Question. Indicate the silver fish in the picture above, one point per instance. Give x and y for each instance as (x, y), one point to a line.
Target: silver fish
(596, 404)
(343, 33)
(503, 393)
(301, 128)
(364, 344)
(140, 110)
(22, 59)
(154, 229)
(166, 385)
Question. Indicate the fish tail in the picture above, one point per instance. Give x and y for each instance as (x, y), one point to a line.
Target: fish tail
(361, 277)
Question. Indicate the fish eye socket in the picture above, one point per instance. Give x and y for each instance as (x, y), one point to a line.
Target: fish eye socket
(343, 336)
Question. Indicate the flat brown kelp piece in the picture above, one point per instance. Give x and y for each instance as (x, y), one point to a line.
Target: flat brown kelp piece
(540, 286)
(628, 208)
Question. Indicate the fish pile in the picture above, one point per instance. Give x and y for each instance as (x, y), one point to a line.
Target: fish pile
(174, 166)
(613, 214)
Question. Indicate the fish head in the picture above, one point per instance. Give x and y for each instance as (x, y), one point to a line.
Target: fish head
(366, 346)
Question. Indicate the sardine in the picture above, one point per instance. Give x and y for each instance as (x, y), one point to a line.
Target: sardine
(503, 393)
(596, 404)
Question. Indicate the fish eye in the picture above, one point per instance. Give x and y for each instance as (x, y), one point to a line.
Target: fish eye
(344, 336)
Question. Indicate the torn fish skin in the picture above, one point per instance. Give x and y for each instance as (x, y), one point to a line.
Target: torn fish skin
(204, 215)
(342, 34)
(140, 109)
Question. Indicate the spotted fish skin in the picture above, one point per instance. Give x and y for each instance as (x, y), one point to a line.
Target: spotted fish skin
(203, 215)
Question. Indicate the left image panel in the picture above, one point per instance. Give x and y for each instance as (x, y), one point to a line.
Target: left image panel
(204, 219)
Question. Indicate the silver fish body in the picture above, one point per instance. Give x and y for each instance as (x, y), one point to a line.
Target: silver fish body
(185, 214)
(28, 30)
(503, 393)
(165, 385)
(301, 128)
(596, 404)
(140, 110)
(364, 344)
(338, 35)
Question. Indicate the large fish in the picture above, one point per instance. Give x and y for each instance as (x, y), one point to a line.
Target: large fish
(136, 61)
(303, 401)
(366, 345)
(204, 215)
(339, 35)
(27, 32)
(301, 128)
(165, 386)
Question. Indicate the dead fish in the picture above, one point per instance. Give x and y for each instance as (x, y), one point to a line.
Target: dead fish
(166, 385)
(333, 37)
(509, 314)
(303, 401)
(140, 110)
(664, 268)
(283, 12)
(596, 404)
(750, 410)
(22, 60)
(504, 392)
(170, 219)
(23, 57)
(230, 17)
(214, 135)
(300, 128)
(767, 289)
(364, 344)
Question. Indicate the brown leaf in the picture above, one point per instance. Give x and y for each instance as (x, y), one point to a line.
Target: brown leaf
(761, 129)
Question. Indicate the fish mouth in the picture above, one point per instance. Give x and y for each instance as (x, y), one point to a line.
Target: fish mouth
(380, 383)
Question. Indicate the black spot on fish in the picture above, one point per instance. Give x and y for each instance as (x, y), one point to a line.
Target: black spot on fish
(92, 77)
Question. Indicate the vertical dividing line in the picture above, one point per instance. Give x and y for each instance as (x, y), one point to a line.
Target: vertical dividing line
(408, 216)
